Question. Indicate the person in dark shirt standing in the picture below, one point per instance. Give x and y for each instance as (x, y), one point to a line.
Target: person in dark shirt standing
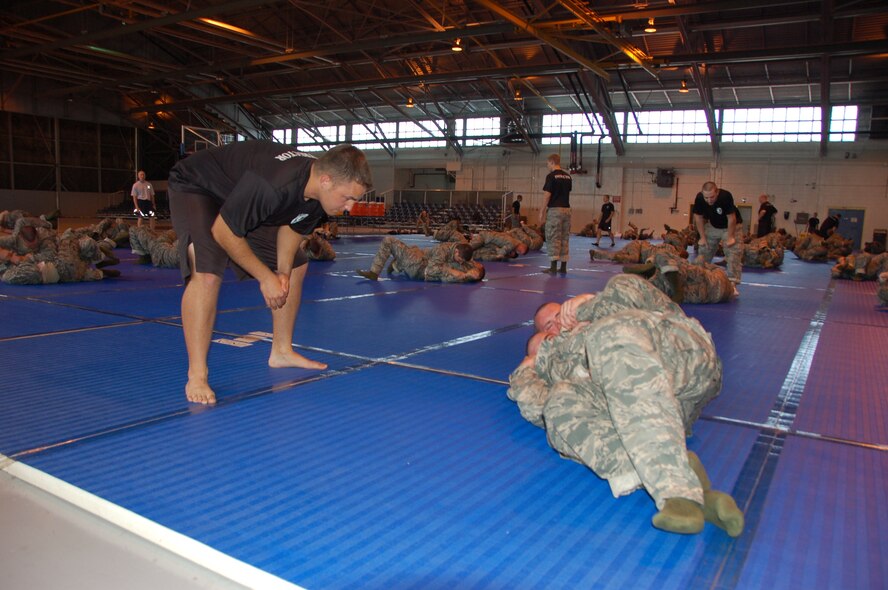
(516, 212)
(767, 211)
(813, 223)
(555, 214)
(829, 225)
(253, 203)
(604, 223)
(715, 218)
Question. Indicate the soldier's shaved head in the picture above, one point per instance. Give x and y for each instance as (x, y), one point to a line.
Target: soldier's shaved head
(547, 318)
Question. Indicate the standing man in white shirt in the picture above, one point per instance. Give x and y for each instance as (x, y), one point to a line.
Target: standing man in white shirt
(144, 204)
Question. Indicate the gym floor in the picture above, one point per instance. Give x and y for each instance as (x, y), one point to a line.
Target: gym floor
(404, 464)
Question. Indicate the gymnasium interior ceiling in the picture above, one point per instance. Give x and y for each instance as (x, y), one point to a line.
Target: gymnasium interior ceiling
(248, 66)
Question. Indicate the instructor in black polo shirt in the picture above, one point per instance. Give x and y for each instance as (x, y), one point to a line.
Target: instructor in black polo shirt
(716, 221)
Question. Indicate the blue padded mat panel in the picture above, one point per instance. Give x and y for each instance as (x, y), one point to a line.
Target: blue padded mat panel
(477, 358)
(396, 323)
(100, 380)
(856, 302)
(25, 318)
(824, 521)
(783, 302)
(850, 402)
(389, 478)
(754, 366)
(794, 272)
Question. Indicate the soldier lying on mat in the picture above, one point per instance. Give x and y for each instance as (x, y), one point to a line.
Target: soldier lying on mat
(617, 380)
(450, 262)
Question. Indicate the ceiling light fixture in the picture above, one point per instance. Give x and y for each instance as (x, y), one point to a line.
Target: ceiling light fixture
(457, 45)
(518, 96)
(684, 87)
(410, 104)
(650, 28)
(151, 124)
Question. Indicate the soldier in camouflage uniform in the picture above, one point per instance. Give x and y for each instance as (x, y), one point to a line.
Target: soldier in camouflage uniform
(589, 230)
(319, 249)
(618, 389)
(633, 252)
(496, 245)
(450, 262)
(527, 235)
(161, 249)
(764, 252)
(685, 282)
(451, 232)
(810, 247)
(883, 288)
(424, 222)
(861, 266)
(837, 245)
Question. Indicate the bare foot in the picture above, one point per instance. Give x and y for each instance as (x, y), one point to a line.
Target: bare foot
(199, 392)
(292, 359)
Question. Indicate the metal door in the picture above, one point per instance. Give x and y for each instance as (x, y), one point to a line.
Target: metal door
(850, 224)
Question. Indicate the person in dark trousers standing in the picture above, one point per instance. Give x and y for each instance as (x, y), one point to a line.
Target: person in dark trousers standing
(766, 214)
(604, 224)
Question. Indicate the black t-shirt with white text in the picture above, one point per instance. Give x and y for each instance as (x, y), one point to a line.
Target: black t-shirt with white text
(607, 210)
(717, 213)
(255, 183)
(558, 184)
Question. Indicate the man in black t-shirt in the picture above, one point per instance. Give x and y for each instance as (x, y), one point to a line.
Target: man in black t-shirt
(813, 224)
(555, 214)
(253, 203)
(604, 225)
(715, 217)
(765, 216)
(829, 225)
(516, 212)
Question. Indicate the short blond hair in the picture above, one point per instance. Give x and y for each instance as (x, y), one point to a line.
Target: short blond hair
(555, 159)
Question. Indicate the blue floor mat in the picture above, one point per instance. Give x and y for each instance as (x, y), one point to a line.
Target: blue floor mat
(27, 318)
(419, 472)
(380, 484)
(824, 521)
(850, 402)
(89, 383)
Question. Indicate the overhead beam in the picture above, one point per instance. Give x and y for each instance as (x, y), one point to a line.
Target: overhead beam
(589, 17)
(542, 35)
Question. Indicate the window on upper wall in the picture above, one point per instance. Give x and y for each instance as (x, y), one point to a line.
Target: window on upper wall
(782, 124)
(427, 135)
(364, 138)
(843, 123)
(664, 127)
(284, 136)
(482, 131)
(319, 138)
(790, 124)
(557, 128)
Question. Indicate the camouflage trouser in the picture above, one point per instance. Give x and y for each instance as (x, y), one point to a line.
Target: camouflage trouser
(714, 237)
(410, 260)
(558, 233)
(629, 425)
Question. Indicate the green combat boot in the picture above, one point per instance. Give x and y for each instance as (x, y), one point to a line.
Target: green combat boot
(368, 274)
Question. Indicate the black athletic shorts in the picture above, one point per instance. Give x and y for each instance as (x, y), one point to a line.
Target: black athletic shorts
(604, 225)
(145, 207)
(193, 215)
